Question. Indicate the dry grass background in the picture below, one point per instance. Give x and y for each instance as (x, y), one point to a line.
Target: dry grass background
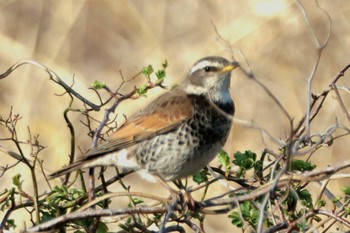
(93, 40)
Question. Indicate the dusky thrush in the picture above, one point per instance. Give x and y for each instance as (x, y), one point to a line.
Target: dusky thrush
(178, 133)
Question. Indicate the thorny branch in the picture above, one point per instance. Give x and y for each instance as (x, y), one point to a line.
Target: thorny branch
(90, 213)
(251, 191)
(261, 191)
(268, 187)
(10, 123)
(296, 142)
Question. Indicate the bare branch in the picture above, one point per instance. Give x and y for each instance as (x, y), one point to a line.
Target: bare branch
(53, 76)
(320, 47)
(90, 213)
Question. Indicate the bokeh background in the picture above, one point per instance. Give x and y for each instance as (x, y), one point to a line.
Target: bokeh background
(95, 40)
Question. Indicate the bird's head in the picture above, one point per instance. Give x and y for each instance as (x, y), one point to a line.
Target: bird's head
(210, 75)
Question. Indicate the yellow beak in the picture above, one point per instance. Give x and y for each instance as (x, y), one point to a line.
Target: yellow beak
(230, 67)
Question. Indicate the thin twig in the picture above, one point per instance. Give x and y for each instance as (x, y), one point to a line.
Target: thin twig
(320, 47)
(53, 76)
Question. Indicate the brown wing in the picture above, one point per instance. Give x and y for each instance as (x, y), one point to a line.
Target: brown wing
(164, 114)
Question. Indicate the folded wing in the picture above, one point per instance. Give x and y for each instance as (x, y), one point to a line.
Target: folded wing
(163, 115)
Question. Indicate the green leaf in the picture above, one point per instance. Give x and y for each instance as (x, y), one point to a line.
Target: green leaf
(102, 228)
(321, 203)
(291, 201)
(142, 90)
(7, 198)
(16, 180)
(347, 210)
(156, 217)
(165, 64)
(224, 159)
(336, 199)
(301, 165)
(160, 74)
(317, 218)
(98, 85)
(137, 200)
(236, 219)
(305, 197)
(258, 167)
(346, 190)
(10, 223)
(47, 215)
(125, 227)
(303, 226)
(198, 216)
(61, 197)
(249, 213)
(244, 160)
(201, 176)
(147, 71)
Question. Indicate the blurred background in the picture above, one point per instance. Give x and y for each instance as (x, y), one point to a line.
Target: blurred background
(95, 40)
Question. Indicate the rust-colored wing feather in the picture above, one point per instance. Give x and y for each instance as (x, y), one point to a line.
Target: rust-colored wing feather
(164, 114)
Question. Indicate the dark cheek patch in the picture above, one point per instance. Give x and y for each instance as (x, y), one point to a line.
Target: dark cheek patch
(197, 78)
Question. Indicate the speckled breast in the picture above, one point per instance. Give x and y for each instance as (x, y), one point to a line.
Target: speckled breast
(190, 147)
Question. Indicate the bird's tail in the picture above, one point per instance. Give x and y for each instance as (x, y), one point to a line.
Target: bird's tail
(65, 170)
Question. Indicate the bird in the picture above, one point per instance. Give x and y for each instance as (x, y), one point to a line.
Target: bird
(178, 133)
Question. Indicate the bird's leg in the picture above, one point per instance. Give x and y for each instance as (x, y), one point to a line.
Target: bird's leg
(187, 197)
(180, 201)
(182, 196)
(172, 206)
(166, 185)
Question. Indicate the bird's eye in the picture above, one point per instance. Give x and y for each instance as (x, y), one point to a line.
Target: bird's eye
(207, 69)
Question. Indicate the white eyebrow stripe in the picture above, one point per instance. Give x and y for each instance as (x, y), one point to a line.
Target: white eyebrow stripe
(204, 63)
